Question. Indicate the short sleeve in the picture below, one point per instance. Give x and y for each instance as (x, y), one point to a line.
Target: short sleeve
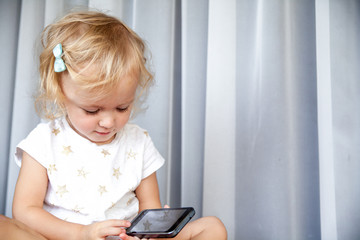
(35, 144)
(152, 158)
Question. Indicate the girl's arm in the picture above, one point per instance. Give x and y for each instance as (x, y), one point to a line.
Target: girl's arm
(28, 201)
(148, 193)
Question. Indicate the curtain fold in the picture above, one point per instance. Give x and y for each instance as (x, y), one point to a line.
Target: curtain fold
(276, 128)
(9, 20)
(193, 80)
(325, 117)
(219, 151)
(25, 80)
(255, 107)
(344, 37)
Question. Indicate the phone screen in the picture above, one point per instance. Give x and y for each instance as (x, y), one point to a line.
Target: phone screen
(159, 221)
(165, 222)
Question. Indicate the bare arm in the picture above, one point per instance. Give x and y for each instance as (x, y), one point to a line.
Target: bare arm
(28, 208)
(148, 193)
(28, 203)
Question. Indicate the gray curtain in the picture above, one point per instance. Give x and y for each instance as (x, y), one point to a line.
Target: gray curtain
(255, 107)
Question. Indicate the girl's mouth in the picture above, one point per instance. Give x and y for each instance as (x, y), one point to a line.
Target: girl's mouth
(103, 133)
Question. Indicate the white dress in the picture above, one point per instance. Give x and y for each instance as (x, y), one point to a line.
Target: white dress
(87, 182)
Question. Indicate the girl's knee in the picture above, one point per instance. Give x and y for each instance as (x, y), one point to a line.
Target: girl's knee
(205, 228)
(215, 226)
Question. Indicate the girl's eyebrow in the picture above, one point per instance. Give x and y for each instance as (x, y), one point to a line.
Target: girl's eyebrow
(101, 107)
(126, 103)
(88, 106)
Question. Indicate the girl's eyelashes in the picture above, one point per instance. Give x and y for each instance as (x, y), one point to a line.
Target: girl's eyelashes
(91, 112)
(122, 109)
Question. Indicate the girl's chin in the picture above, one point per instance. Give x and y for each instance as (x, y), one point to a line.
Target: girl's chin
(101, 139)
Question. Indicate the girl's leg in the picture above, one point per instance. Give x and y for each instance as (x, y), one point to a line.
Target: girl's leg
(12, 229)
(206, 228)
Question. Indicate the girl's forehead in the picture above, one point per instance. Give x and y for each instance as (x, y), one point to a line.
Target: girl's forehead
(120, 93)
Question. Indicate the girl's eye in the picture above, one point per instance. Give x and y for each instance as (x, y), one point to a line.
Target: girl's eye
(92, 112)
(122, 109)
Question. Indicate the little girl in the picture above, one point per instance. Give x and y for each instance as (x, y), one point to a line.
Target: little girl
(87, 171)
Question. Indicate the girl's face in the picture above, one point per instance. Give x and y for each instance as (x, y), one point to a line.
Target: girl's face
(98, 120)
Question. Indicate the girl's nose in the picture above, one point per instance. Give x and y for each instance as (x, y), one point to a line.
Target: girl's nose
(107, 121)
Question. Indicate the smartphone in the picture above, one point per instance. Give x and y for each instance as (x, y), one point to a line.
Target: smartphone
(160, 223)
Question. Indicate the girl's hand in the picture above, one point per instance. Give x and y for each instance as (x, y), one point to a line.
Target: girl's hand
(99, 230)
(123, 236)
(126, 237)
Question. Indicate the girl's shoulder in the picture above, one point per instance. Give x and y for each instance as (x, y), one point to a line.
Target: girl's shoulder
(132, 127)
(48, 128)
(39, 142)
(131, 130)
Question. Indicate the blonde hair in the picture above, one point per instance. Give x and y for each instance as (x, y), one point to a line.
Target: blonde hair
(90, 38)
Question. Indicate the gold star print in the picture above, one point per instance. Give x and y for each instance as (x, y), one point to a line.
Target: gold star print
(116, 172)
(131, 154)
(55, 131)
(112, 205)
(77, 209)
(82, 173)
(62, 190)
(105, 152)
(146, 133)
(129, 201)
(51, 168)
(102, 189)
(67, 150)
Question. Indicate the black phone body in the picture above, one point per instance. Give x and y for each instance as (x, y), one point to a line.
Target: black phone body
(160, 223)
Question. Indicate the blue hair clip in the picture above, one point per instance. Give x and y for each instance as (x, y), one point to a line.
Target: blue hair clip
(59, 65)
